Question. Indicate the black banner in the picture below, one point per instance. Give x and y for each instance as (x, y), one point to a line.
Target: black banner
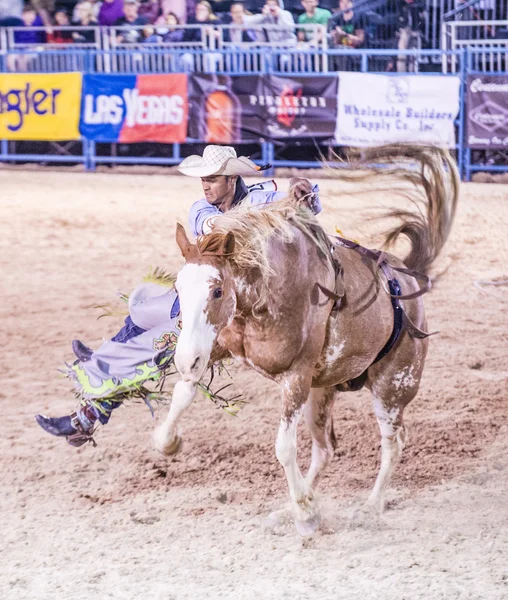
(220, 111)
(250, 108)
(487, 111)
(299, 107)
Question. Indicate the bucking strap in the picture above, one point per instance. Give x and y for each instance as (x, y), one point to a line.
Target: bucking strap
(379, 257)
(394, 290)
(398, 318)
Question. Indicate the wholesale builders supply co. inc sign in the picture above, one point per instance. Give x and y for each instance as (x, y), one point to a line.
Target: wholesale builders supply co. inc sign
(381, 109)
(355, 109)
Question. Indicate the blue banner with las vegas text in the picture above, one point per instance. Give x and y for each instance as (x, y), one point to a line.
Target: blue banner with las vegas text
(134, 108)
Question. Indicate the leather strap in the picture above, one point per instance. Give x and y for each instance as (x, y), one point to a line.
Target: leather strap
(379, 257)
(387, 268)
(82, 436)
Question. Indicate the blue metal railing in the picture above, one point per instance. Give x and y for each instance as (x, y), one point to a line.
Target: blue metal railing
(89, 154)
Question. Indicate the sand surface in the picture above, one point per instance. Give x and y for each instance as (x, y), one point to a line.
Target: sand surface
(121, 522)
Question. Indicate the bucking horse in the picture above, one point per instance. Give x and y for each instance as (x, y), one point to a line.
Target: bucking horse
(317, 313)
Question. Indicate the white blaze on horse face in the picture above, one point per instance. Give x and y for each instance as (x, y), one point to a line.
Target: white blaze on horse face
(198, 335)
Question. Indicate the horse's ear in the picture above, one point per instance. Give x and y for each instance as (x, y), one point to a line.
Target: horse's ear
(228, 247)
(182, 240)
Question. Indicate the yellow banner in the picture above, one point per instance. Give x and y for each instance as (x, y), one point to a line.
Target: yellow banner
(40, 106)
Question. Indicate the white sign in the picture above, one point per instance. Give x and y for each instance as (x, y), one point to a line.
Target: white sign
(383, 109)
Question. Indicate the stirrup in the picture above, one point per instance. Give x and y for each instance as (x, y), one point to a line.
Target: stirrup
(82, 435)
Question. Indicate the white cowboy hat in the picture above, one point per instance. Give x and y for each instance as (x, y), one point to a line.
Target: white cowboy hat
(217, 160)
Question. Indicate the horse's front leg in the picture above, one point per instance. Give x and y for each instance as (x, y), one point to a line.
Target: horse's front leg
(165, 437)
(295, 391)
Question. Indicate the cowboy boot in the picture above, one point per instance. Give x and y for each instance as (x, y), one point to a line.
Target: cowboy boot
(78, 427)
(81, 351)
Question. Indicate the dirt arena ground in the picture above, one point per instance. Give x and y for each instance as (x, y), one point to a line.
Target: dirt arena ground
(121, 522)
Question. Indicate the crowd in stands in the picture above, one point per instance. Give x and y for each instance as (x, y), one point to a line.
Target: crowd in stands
(349, 24)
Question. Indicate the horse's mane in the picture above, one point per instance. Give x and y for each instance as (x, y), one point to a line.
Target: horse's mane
(253, 226)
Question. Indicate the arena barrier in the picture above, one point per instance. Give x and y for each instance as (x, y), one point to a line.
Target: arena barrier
(97, 115)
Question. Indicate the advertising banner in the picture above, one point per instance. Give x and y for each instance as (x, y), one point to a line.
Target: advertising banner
(487, 111)
(231, 109)
(40, 106)
(134, 108)
(383, 109)
(299, 107)
(220, 111)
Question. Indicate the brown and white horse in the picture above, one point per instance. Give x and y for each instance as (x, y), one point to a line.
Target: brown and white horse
(258, 288)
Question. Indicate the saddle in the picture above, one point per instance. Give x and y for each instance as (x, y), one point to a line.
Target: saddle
(400, 318)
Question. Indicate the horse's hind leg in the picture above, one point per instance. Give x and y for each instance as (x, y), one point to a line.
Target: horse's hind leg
(393, 436)
(318, 417)
(394, 382)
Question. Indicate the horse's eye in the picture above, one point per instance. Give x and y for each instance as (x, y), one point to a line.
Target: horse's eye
(217, 293)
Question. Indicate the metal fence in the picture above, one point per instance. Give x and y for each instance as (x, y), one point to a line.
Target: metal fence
(489, 40)
(461, 61)
(120, 50)
(439, 12)
(154, 49)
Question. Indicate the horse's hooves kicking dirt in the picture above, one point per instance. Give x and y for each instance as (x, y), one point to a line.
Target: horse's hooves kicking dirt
(364, 515)
(170, 450)
(279, 522)
(309, 527)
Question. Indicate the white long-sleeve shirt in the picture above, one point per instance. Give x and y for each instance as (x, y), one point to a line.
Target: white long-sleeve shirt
(279, 30)
(202, 213)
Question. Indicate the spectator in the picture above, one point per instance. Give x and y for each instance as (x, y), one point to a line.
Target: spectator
(96, 7)
(280, 23)
(10, 9)
(44, 8)
(110, 12)
(85, 19)
(149, 35)
(175, 7)
(348, 30)
(173, 35)
(30, 18)
(410, 18)
(313, 15)
(130, 17)
(59, 36)
(149, 9)
(239, 34)
(11, 22)
(467, 13)
(203, 16)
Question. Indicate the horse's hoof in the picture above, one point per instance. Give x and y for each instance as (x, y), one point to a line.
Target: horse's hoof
(170, 449)
(308, 527)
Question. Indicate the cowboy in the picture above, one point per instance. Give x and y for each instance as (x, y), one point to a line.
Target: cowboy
(144, 348)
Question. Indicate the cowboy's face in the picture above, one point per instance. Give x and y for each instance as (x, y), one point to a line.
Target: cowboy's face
(217, 188)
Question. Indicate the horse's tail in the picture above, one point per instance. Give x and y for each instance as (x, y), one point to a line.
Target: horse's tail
(434, 189)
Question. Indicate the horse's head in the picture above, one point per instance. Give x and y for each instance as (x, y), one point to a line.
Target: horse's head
(207, 301)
